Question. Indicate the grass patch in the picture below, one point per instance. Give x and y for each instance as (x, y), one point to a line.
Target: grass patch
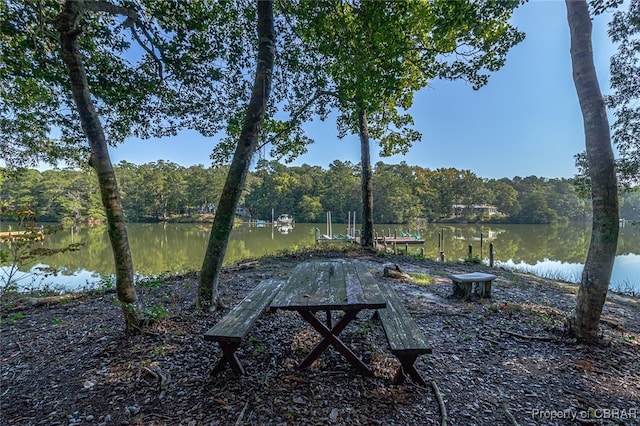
(475, 260)
(422, 279)
(13, 317)
(154, 281)
(505, 307)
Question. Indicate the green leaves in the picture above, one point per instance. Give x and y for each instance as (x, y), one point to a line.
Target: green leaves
(375, 55)
(181, 64)
(625, 69)
(624, 99)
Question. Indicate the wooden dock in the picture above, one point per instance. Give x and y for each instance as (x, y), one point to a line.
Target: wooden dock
(391, 242)
(399, 240)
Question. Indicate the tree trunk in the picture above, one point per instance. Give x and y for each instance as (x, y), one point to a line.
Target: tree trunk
(604, 234)
(67, 24)
(366, 238)
(223, 222)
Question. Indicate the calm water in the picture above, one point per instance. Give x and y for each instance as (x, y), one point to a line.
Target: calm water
(545, 250)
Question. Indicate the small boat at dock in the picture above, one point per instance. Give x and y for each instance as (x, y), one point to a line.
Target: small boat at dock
(285, 219)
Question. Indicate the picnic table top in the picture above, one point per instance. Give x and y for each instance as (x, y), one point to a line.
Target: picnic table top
(333, 285)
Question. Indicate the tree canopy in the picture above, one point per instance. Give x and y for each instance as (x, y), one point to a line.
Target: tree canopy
(624, 29)
(153, 67)
(624, 101)
(375, 55)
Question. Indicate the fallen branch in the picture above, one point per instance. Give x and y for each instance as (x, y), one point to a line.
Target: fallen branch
(161, 416)
(162, 379)
(242, 266)
(239, 421)
(51, 300)
(396, 273)
(612, 324)
(512, 419)
(495, 342)
(588, 402)
(527, 337)
(443, 409)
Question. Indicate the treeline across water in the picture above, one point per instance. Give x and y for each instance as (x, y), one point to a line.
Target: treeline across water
(402, 194)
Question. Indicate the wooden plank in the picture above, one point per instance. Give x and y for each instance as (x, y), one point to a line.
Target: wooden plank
(338, 289)
(297, 287)
(370, 288)
(238, 321)
(310, 285)
(330, 286)
(355, 292)
(402, 332)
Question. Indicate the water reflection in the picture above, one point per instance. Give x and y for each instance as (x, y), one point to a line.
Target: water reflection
(624, 277)
(552, 251)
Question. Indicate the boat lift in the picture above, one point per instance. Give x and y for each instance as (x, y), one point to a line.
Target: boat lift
(329, 235)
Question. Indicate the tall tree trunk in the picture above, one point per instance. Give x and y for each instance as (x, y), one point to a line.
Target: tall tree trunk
(223, 222)
(366, 238)
(604, 235)
(67, 24)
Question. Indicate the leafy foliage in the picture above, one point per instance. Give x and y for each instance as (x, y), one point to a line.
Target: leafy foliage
(161, 69)
(624, 30)
(379, 53)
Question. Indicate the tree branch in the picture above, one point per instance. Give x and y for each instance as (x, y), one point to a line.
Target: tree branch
(132, 19)
(151, 52)
(105, 6)
(296, 114)
(443, 409)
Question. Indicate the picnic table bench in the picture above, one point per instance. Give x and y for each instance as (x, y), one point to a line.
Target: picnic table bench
(463, 284)
(235, 325)
(405, 338)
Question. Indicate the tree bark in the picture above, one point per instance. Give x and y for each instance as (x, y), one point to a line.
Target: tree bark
(604, 195)
(223, 223)
(366, 238)
(69, 29)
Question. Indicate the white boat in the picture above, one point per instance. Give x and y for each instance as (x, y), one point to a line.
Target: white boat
(284, 219)
(285, 228)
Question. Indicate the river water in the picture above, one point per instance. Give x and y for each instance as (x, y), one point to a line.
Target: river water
(546, 250)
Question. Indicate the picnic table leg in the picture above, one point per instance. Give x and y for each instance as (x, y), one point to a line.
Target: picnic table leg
(407, 368)
(229, 356)
(330, 338)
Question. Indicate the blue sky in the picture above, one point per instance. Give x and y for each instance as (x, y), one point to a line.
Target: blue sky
(526, 121)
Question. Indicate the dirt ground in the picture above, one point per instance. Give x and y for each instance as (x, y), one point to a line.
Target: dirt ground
(503, 361)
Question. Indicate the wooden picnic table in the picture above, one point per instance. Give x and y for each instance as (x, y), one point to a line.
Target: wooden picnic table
(339, 285)
(330, 286)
